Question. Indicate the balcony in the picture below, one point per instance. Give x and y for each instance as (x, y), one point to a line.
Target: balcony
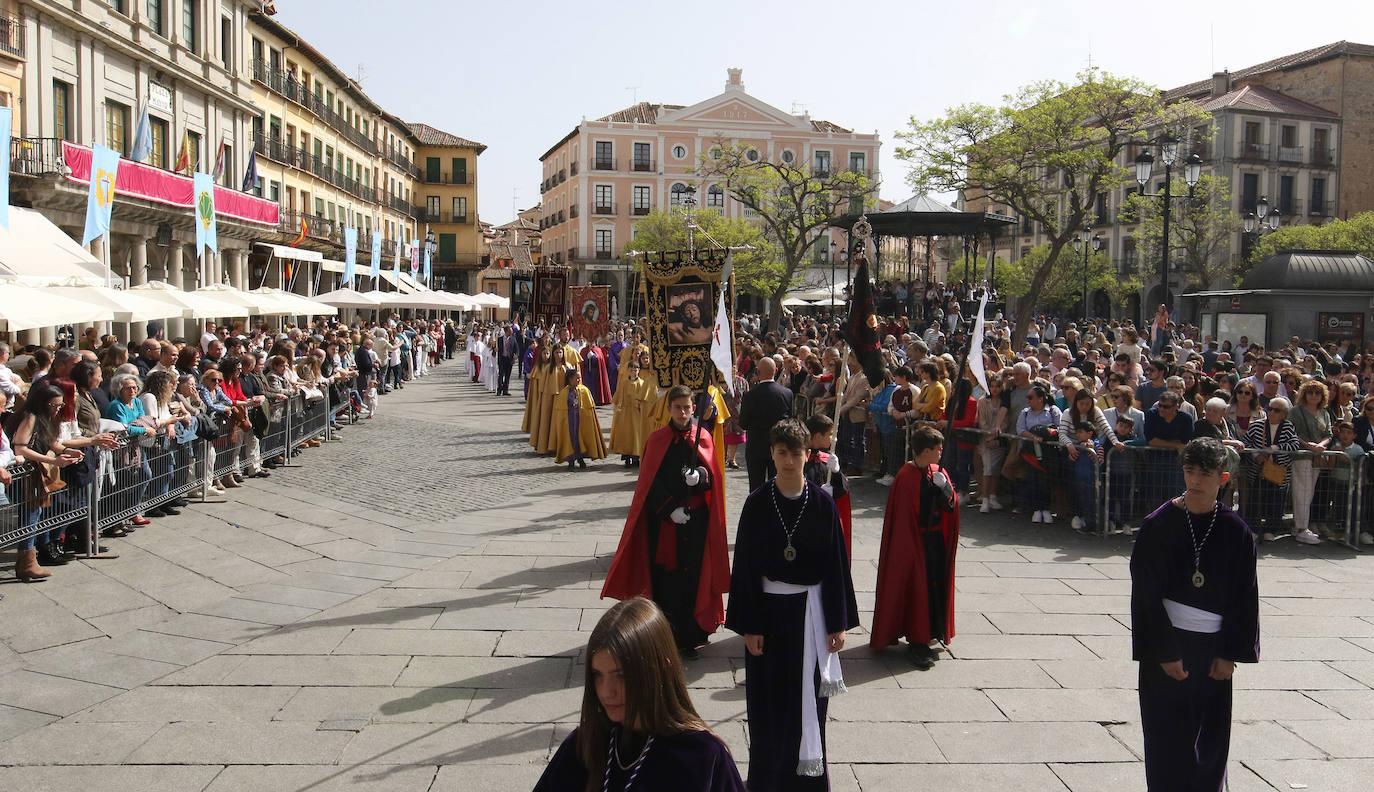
(397, 156)
(462, 177)
(1323, 157)
(643, 166)
(573, 211)
(562, 176)
(35, 156)
(1253, 151)
(572, 254)
(1290, 154)
(440, 218)
(543, 186)
(1290, 208)
(400, 204)
(572, 169)
(603, 164)
(604, 254)
(1319, 207)
(285, 84)
(281, 151)
(562, 218)
(11, 36)
(603, 209)
(820, 172)
(1202, 148)
(639, 211)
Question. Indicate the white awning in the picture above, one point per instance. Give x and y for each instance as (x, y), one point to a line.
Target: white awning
(25, 308)
(330, 265)
(411, 282)
(194, 305)
(126, 306)
(403, 284)
(295, 304)
(349, 298)
(35, 252)
(295, 254)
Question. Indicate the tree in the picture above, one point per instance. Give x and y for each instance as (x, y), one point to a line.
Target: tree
(1046, 154)
(1356, 233)
(794, 205)
(1063, 289)
(755, 270)
(1200, 231)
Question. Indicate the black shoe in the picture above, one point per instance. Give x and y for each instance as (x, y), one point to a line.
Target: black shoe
(181, 503)
(262, 474)
(49, 555)
(920, 656)
(582, 463)
(572, 465)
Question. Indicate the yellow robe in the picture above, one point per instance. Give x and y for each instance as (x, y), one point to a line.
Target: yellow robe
(633, 400)
(553, 383)
(660, 419)
(589, 437)
(528, 422)
(626, 355)
(571, 359)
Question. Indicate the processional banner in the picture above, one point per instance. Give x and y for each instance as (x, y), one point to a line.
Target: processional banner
(681, 293)
(590, 311)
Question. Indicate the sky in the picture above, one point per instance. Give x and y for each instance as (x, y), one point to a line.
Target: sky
(518, 76)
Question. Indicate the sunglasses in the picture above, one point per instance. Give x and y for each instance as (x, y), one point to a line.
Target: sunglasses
(1274, 409)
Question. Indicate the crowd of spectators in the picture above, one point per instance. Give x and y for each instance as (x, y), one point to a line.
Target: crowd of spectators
(138, 411)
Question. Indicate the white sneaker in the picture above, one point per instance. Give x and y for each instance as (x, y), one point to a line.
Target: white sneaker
(1366, 538)
(1035, 516)
(886, 481)
(996, 504)
(217, 490)
(1307, 537)
(1077, 523)
(985, 508)
(1049, 516)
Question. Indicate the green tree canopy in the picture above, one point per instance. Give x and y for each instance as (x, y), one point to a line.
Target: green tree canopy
(1046, 153)
(1356, 233)
(1063, 289)
(756, 271)
(1200, 232)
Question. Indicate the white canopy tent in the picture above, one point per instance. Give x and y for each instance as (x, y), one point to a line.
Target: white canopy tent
(28, 308)
(487, 300)
(36, 252)
(298, 305)
(349, 298)
(257, 304)
(126, 306)
(195, 305)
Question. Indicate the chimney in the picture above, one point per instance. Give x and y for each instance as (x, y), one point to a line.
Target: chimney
(734, 83)
(1221, 83)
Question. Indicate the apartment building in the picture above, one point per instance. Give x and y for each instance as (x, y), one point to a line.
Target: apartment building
(86, 71)
(605, 174)
(446, 205)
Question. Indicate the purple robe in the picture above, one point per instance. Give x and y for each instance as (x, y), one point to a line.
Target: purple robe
(613, 363)
(526, 366)
(686, 762)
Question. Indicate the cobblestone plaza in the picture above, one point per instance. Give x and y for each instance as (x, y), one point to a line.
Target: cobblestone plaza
(405, 611)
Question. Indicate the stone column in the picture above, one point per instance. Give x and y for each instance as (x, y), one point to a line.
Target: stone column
(176, 276)
(138, 261)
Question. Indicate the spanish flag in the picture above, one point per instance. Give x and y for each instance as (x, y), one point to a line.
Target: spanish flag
(184, 163)
(305, 231)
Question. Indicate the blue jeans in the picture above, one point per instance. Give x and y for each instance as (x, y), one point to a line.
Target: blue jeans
(1119, 485)
(851, 443)
(1085, 488)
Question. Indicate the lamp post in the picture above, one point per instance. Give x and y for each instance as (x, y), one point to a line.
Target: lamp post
(1089, 243)
(1144, 166)
(688, 205)
(833, 247)
(1263, 220)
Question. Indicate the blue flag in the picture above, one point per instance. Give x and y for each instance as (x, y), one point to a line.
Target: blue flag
(143, 137)
(206, 234)
(376, 256)
(350, 255)
(6, 123)
(100, 198)
(250, 176)
(427, 267)
(396, 265)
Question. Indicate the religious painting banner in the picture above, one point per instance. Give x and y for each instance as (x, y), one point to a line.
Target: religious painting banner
(550, 296)
(521, 292)
(590, 311)
(682, 292)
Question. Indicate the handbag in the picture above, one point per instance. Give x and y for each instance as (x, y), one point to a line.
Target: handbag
(1274, 473)
(206, 429)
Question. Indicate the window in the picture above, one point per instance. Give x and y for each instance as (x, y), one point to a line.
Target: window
(158, 127)
(227, 174)
(226, 42)
(788, 156)
(460, 209)
(119, 7)
(257, 187)
(432, 166)
(319, 207)
(603, 242)
(1288, 136)
(154, 16)
(642, 161)
(117, 127)
(677, 194)
(432, 207)
(460, 170)
(274, 193)
(61, 110)
(1128, 254)
(641, 200)
(1251, 146)
(604, 196)
(605, 156)
(856, 161)
(1249, 192)
(715, 197)
(822, 166)
(752, 155)
(1286, 195)
(1321, 155)
(1318, 205)
(448, 248)
(190, 24)
(679, 152)
(1102, 207)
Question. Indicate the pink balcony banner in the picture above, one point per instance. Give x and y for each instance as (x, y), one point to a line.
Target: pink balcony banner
(159, 186)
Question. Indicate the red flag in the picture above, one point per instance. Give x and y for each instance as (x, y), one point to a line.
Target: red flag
(305, 231)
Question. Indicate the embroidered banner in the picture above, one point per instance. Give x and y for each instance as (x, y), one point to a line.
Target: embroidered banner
(681, 295)
(590, 313)
(136, 180)
(550, 296)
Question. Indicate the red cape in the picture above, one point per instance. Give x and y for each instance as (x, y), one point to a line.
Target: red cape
(629, 573)
(847, 524)
(601, 389)
(903, 603)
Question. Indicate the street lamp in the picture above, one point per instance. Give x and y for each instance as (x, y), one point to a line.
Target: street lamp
(1089, 243)
(688, 205)
(432, 248)
(1263, 219)
(1144, 167)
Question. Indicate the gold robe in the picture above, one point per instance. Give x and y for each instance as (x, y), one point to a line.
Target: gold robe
(553, 383)
(626, 355)
(589, 437)
(528, 422)
(660, 419)
(633, 400)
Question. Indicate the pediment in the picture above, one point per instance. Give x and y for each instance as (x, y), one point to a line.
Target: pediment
(734, 107)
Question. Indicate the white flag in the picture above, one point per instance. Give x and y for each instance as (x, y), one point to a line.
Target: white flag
(975, 348)
(722, 340)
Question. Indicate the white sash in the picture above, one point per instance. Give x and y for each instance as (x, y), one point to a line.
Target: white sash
(1190, 619)
(815, 654)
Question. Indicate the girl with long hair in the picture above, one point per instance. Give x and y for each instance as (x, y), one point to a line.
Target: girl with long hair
(638, 729)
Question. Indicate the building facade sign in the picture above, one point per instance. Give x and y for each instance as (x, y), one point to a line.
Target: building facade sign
(159, 97)
(1340, 327)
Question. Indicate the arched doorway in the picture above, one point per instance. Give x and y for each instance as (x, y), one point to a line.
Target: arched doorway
(1101, 304)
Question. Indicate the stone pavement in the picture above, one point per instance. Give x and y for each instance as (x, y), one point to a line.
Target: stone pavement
(405, 611)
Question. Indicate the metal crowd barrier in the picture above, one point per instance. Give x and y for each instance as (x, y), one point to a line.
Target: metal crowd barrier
(136, 477)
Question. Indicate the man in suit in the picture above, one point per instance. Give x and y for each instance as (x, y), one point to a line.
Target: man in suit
(506, 350)
(760, 409)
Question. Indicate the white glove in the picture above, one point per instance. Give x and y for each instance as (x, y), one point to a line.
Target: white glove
(942, 481)
(692, 477)
(679, 516)
(829, 490)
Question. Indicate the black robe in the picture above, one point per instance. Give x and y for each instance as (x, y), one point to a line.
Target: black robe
(686, 762)
(773, 681)
(1187, 724)
(675, 589)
